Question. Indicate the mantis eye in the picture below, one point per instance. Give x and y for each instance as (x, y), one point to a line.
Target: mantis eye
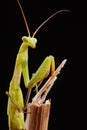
(32, 41)
(25, 39)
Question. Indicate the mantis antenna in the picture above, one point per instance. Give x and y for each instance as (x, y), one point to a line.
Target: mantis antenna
(43, 23)
(26, 24)
(64, 10)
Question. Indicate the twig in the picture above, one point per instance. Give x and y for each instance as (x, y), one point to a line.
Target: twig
(48, 85)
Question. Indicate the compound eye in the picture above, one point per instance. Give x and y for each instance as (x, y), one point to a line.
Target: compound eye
(25, 39)
(34, 40)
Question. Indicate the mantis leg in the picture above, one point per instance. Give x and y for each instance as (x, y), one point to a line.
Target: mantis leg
(47, 66)
(13, 101)
(25, 73)
(43, 71)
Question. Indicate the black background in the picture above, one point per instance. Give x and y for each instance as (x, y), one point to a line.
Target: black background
(64, 36)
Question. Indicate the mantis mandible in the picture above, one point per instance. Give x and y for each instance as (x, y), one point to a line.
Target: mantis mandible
(15, 97)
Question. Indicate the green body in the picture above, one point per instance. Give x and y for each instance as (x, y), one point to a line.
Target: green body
(15, 116)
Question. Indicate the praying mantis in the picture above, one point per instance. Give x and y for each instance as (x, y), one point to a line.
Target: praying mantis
(15, 108)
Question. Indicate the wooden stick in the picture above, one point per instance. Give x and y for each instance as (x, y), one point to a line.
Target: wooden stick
(39, 109)
(39, 116)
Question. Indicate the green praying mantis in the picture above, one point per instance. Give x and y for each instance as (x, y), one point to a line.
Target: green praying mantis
(16, 107)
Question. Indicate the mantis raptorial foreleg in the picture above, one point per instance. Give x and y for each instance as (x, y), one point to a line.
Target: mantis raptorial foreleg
(43, 71)
(15, 97)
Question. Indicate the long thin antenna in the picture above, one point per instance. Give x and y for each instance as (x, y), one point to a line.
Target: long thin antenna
(24, 17)
(48, 20)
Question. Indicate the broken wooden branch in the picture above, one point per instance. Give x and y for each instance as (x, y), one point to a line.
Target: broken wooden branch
(38, 110)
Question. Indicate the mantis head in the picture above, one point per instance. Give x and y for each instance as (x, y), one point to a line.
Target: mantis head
(29, 41)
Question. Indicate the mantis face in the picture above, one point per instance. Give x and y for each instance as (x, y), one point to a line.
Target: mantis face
(29, 41)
